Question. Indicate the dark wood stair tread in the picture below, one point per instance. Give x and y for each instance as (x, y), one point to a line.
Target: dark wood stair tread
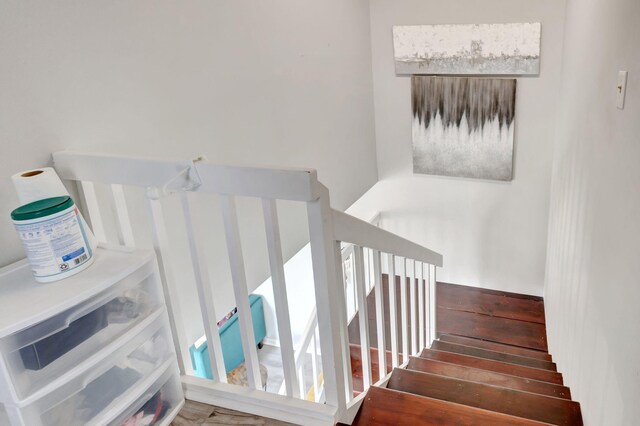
(488, 377)
(495, 329)
(496, 356)
(491, 302)
(498, 347)
(388, 407)
(356, 366)
(491, 365)
(492, 398)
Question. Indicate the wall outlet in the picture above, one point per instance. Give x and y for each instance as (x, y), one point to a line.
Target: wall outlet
(621, 89)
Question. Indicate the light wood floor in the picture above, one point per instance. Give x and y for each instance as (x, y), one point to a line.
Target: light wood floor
(195, 413)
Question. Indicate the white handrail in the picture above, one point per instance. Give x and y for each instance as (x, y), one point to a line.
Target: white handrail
(353, 230)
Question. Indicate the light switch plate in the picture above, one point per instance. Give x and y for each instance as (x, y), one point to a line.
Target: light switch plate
(621, 89)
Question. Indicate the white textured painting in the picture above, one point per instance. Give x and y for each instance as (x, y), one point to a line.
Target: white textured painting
(500, 49)
(463, 126)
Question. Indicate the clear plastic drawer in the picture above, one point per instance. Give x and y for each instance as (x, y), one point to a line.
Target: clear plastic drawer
(40, 355)
(89, 398)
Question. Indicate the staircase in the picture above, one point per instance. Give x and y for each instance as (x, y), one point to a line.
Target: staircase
(488, 366)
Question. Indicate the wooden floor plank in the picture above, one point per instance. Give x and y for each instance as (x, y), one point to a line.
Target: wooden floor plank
(497, 366)
(501, 330)
(498, 347)
(388, 407)
(488, 377)
(507, 401)
(497, 356)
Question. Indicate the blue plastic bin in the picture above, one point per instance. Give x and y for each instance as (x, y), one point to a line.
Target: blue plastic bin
(231, 342)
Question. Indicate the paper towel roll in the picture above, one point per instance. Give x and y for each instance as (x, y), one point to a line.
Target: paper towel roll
(34, 185)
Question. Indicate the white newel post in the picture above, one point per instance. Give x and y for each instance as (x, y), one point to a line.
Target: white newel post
(331, 310)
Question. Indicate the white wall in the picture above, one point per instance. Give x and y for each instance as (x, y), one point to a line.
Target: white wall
(592, 294)
(243, 82)
(492, 234)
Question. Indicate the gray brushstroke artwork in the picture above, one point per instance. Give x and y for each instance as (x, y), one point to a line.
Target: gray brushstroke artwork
(496, 49)
(463, 126)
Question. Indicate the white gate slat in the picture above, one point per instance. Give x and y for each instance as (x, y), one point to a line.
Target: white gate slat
(433, 306)
(421, 327)
(393, 314)
(403, 310)
(93, 210)
(238, 276)
(125, 232)
(379, 295)
(341, 304)
(412, 310)
(171, 296)
(363, 317)
(280, 295)
(314, 366)
(205, 296)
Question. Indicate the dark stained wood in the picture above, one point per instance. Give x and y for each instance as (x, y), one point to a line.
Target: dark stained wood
(356, 366)
(497, 356)
(388, 407)
(498, 347)
(501, 330)
(497, 366)
(493, 398)
(488, 377)
(491, 302)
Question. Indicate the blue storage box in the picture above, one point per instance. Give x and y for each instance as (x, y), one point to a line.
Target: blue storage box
(231, 342)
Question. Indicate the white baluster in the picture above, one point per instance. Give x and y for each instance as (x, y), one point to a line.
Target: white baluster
(433, 305)
(421, 325)
(93, 210)
(280, 295)
(125, 233)
(412, 310)
(403, 310)
(363, 318)
(393, 314)
(236, 262)
(205, 296)
(379, 295)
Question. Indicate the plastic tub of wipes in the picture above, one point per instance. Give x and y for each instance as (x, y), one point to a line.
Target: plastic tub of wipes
(53, 238)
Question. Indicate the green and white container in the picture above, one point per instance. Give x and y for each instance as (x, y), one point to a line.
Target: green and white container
(53, 238)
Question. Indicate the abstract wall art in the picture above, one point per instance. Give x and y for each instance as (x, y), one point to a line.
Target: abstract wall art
(497, 49)
(463, 126)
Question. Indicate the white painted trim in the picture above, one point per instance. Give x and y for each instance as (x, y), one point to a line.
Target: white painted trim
(278, 183)
(363, 318)
(125, 233)
(379, 299)
(93, 210)
(352, 230)
(393, 310)
(240, 290)
(258, 402)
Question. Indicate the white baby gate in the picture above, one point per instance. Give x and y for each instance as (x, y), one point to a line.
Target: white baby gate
(328, 230)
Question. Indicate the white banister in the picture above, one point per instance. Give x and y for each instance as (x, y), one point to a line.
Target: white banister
(205, 296)
(335, 238)
(279, 284)
(125, 232)
(393, 314)
(379, 296)
(239, 279)
(363, 317)
(350, 229)
(332, 322)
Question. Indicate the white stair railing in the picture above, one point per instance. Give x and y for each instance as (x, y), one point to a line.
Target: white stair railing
(328, 230)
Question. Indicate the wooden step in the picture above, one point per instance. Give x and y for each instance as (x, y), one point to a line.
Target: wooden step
(491, 365)
(492, 398)
(495, 329)
(498, 347)
(491, 302)
(388, 407)
(496, 356)
(356, 367)
(488, 377)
